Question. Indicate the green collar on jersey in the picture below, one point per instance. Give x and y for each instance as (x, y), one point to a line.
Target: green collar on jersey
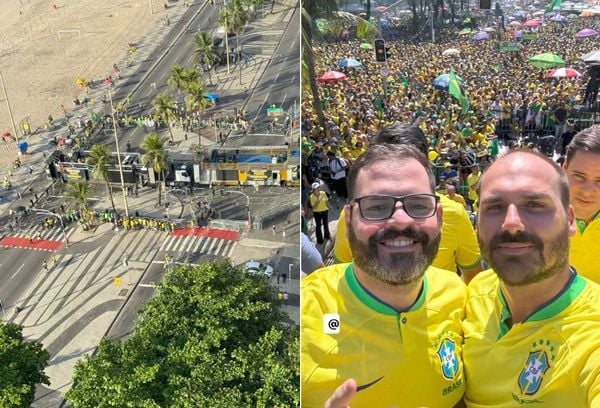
(581, 224)
(550, 309)
(378, 305)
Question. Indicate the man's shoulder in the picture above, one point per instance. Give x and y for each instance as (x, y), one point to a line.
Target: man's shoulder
(446, 283)
(326, 276)
(484, 283)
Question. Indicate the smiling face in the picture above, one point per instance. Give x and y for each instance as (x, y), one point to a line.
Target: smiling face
(523, 227)
(583, 171)
(398, 250)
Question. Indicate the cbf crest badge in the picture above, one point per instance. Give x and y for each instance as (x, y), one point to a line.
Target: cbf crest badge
(537, 365)
(446, 352)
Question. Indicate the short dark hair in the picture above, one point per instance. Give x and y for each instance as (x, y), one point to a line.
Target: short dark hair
(403, 134)
(387, 152)
(588, 140)
(563, 186)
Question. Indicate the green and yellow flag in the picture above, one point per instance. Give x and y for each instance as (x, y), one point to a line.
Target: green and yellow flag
(456, 91)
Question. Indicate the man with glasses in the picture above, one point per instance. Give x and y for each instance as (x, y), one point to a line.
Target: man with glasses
(531, 321)
(388, 319)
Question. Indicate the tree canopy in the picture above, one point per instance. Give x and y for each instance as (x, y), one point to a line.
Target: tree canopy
(212, 336)
(21, 367)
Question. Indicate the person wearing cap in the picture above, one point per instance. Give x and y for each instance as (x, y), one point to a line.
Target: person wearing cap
(319, 202)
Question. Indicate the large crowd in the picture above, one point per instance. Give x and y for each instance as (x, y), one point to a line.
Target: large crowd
(511, 101)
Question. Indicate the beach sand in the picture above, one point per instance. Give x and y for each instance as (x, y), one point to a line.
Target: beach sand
(45, 46)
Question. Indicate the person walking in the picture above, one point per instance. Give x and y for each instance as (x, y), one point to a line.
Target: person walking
(45, 266)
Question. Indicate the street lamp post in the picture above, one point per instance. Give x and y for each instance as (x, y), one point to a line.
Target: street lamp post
(62, 225)
(112, 109)
(12, 120)
(247, 205)
(290, 276)
(226, 33)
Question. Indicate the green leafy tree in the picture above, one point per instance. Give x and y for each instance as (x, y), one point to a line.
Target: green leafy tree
(234, 18)
(101, 159)
(157, 157)
(190, 76)
(204, 51)
(22, 366)
(213, 336)
(166, 110)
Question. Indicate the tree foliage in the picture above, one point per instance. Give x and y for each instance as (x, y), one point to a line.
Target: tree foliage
(213, 336)
(101, 159)
(21, 367)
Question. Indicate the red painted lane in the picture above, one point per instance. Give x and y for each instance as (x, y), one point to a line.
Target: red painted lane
(208, 232)
(37, 243)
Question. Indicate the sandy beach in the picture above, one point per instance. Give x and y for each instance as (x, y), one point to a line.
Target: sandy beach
(45, 46)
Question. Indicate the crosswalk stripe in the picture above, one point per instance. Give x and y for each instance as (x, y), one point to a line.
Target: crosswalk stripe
(203, 249)
(192, 242)
(172, 241)
(233, 245)
(198, 243)
(218, 248)
(210, 250)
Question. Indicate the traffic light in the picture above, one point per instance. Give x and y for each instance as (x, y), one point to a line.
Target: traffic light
(380, 50)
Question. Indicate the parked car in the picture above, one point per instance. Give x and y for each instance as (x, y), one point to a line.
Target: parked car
(256, 268)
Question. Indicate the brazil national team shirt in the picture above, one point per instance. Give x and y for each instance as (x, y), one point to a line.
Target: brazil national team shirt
(552, 359)
(405, 359)
(584, 254)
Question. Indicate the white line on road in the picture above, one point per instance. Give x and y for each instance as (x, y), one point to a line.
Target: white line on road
(275, 79)
(261, 106)
(293, 79)
(147, 285)
(284, 96)
(18, 270)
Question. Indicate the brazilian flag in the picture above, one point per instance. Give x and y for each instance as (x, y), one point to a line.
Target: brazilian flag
(456, 91)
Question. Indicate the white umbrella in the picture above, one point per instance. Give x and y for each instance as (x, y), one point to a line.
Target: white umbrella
(489, 29)
(451, 51)
(591, 57)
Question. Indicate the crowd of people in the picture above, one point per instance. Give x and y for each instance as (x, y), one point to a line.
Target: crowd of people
(390, 322)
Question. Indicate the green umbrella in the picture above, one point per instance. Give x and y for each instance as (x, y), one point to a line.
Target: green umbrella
(366, 46)
(547, 60)
(465, 31)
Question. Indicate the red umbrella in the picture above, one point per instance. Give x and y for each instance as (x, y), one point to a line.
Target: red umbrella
(563, 73)
(533, 23)
(331, 76)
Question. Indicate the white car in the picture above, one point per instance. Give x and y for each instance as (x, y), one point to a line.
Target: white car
(255, 268)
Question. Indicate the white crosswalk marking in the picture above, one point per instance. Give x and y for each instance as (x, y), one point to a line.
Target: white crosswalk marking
(190, 245)
(203, 249)
(198, 243)
(53, 234)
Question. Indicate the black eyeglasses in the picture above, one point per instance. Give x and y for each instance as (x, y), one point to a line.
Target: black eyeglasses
(382, 207)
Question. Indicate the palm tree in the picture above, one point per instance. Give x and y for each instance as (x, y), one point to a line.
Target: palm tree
(203, 48)
(196, 100)
(165, 109)
(234, 18)
(80, 193)
(156, 156)
(176, 78)
(190, 76)
(100, 159)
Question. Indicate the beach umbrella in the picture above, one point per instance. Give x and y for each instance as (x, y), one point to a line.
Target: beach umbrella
(547, 60)
(563, 73)
(489, 29)
(571, 16)
(541, 13)
(331, 76)
(366, 46)
(515, 24)
(480, 36)
(586, 32)
(451, 51)
(465, 31)
(213, 97)
(559, 19)
(520, 13)
(591, 57)
(442, 81)
(518, 34)
(588, 13)
(532, 23)
(349, 63)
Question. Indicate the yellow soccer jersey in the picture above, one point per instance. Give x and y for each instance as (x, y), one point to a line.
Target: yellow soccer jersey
(405, 359)
(550, 360)
(458, 245)
(585, 249)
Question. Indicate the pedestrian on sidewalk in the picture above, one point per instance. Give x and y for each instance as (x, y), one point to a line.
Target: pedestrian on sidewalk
(30, 170)
(54, 260)
(284, 277)
(30, 238)
(286, 297)
(45, 266)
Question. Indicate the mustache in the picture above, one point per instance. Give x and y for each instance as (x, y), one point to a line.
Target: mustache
(520, 237)
(393, 233)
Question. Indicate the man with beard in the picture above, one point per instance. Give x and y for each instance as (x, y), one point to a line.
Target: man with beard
(582, 165)
(389, 320)
(531, 321)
